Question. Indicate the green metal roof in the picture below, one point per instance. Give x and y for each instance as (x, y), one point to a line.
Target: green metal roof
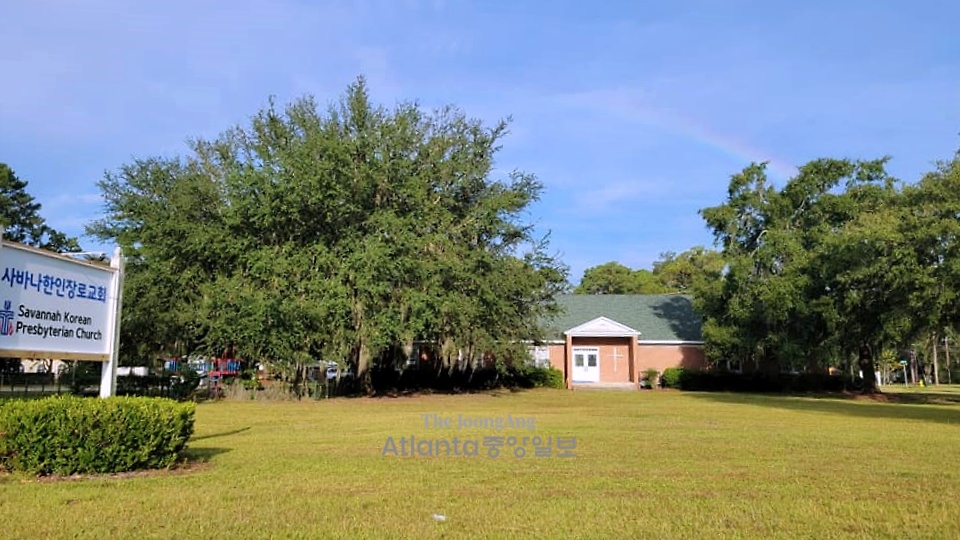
(658, 317)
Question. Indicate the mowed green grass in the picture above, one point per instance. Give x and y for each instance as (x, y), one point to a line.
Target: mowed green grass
(652, 464)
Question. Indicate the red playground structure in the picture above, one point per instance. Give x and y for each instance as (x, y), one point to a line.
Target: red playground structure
(227, 366)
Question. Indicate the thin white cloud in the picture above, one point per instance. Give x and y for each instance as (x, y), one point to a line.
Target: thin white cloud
(65, 200)
(640, 106)
(620, 196)
(617, 195)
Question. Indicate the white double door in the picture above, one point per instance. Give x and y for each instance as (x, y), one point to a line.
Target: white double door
(586, 364)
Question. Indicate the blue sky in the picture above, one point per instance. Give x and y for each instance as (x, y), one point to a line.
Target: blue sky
(633, 114)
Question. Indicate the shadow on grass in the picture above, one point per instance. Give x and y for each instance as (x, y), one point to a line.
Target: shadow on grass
(416, 393)
(922, 398)
(193, 456)
(190, 460)
(222, 434)
(887, 406)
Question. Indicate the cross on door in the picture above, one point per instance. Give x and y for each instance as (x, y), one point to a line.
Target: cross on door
(616, 356)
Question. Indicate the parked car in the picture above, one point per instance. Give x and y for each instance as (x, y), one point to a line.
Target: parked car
(334, 372)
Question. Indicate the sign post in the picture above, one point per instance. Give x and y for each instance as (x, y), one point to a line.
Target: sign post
(56, 307)
(108, 374)
(904, 364)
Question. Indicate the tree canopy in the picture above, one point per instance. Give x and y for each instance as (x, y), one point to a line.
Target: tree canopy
(842, 263)
(671, 273)
(341, 233)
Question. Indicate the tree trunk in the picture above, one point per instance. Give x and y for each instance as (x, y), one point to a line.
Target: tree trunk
(298, 380)
(913, 367)
(448, 348)
(362, 349)
(936, 364)
(866, 364)
(846, 362)
(946, 351)
(363, 367)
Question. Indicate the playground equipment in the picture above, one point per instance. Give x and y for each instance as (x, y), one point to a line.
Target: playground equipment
(177, 365)
(223, 368)
(215, 371)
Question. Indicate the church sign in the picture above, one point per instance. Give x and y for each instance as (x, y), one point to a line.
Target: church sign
(53, 306)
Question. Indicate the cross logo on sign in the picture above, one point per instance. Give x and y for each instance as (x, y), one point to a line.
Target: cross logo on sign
(6, 319)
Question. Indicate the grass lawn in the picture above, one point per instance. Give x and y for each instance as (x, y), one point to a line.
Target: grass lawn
(657, 464)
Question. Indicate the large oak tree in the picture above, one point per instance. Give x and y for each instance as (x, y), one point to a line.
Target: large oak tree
(346, 232)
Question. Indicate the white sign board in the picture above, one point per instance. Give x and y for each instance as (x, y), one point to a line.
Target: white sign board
(52, 306)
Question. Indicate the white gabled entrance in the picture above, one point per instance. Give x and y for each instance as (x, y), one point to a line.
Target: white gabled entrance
(586, 364)
(582, 351)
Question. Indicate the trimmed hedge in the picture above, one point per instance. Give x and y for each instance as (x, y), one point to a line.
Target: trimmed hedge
(671, 377)
(547, 377)
(528, 376)
(73, 435)
(726, 381)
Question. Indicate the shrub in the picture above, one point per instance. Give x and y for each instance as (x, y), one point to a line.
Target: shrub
(548, 377)
(70, 435)
(184, 384)
(672, 377)
(726, 381)
(529, 376)
(388, 380)
(649, 379)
